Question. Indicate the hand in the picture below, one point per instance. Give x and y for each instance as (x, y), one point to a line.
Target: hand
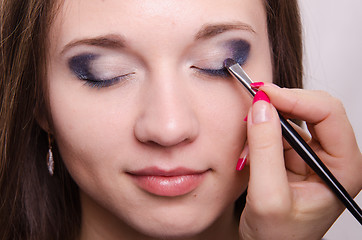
(286, 199)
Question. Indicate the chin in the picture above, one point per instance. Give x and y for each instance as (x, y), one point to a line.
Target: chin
(170, 224)
(171, 231)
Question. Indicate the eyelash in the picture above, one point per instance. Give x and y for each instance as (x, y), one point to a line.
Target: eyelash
(221, 72)
(97, 83)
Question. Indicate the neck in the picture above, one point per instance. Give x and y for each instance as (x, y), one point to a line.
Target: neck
(99, 223)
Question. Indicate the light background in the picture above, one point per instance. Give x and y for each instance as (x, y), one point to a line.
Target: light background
(333, 62)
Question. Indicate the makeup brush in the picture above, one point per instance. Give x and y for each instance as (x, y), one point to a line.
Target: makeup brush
(300, 146)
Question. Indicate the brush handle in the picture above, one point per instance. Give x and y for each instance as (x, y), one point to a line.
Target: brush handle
(309, 156)
(300, 146)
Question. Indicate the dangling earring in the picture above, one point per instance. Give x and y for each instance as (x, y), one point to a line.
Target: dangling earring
(50, 159)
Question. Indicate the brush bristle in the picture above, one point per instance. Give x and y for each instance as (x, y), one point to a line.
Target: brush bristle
(229, 62)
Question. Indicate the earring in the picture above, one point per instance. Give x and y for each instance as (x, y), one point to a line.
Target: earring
(50, 159)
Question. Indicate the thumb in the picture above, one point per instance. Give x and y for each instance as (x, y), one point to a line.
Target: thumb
(268, 185)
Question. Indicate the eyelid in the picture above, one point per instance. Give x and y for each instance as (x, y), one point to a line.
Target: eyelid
(79, 65)
(98, 73)
(107, 82)
(238, 49)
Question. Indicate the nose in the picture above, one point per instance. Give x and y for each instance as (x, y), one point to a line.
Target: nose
(167, 117)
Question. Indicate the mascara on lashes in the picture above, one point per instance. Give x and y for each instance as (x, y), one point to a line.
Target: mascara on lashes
(239, 50)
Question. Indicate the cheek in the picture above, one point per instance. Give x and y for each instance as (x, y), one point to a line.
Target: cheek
(87, 129)
(222, 120)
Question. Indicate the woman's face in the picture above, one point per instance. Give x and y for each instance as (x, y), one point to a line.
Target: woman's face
(147, 124)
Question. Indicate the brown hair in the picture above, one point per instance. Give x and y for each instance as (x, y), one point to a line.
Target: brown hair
(34, 205)
(285, 37)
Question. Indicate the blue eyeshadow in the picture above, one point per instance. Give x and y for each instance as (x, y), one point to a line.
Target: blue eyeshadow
(240, 50)
(80, 65)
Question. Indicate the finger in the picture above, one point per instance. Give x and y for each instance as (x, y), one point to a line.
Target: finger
(330, 129)
(268, 185)
(302, 132)
(293, 162)
(325, 116)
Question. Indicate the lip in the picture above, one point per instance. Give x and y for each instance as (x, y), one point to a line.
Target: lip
(168, 183)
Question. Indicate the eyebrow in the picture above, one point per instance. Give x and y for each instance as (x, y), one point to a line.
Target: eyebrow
(111, 41)
(115, 41)
(211, 30)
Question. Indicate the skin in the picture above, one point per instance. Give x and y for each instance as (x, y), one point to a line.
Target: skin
(299, 205)
(167, 115)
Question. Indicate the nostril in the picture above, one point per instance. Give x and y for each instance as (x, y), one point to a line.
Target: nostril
(164, 137)
(166, 144)
(166, 132)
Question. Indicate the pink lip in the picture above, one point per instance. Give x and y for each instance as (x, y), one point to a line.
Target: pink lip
(176, 182)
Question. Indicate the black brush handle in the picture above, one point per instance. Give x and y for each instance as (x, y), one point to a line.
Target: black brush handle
(300, 146)
(311, 158)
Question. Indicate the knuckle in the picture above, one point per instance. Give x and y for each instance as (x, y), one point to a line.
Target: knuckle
(333, 101)
(272, 207)
(333, 104)
(337, 103)
(323, 94)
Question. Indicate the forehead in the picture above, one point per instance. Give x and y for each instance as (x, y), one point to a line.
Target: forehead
(172, 20)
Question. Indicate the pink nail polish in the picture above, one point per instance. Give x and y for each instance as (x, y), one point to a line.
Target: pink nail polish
(257, 85)
(241, 163)
(260, 95)
(261, 111)
(246, 118)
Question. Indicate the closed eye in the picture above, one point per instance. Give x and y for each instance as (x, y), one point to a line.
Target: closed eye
(221, 72)
(100, 83)
(96, 72)
(239, 52)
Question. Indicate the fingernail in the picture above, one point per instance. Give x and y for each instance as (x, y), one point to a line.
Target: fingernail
(246, 118)
(260, 95)
(261, 108)
(256, 85)
(241, 163)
